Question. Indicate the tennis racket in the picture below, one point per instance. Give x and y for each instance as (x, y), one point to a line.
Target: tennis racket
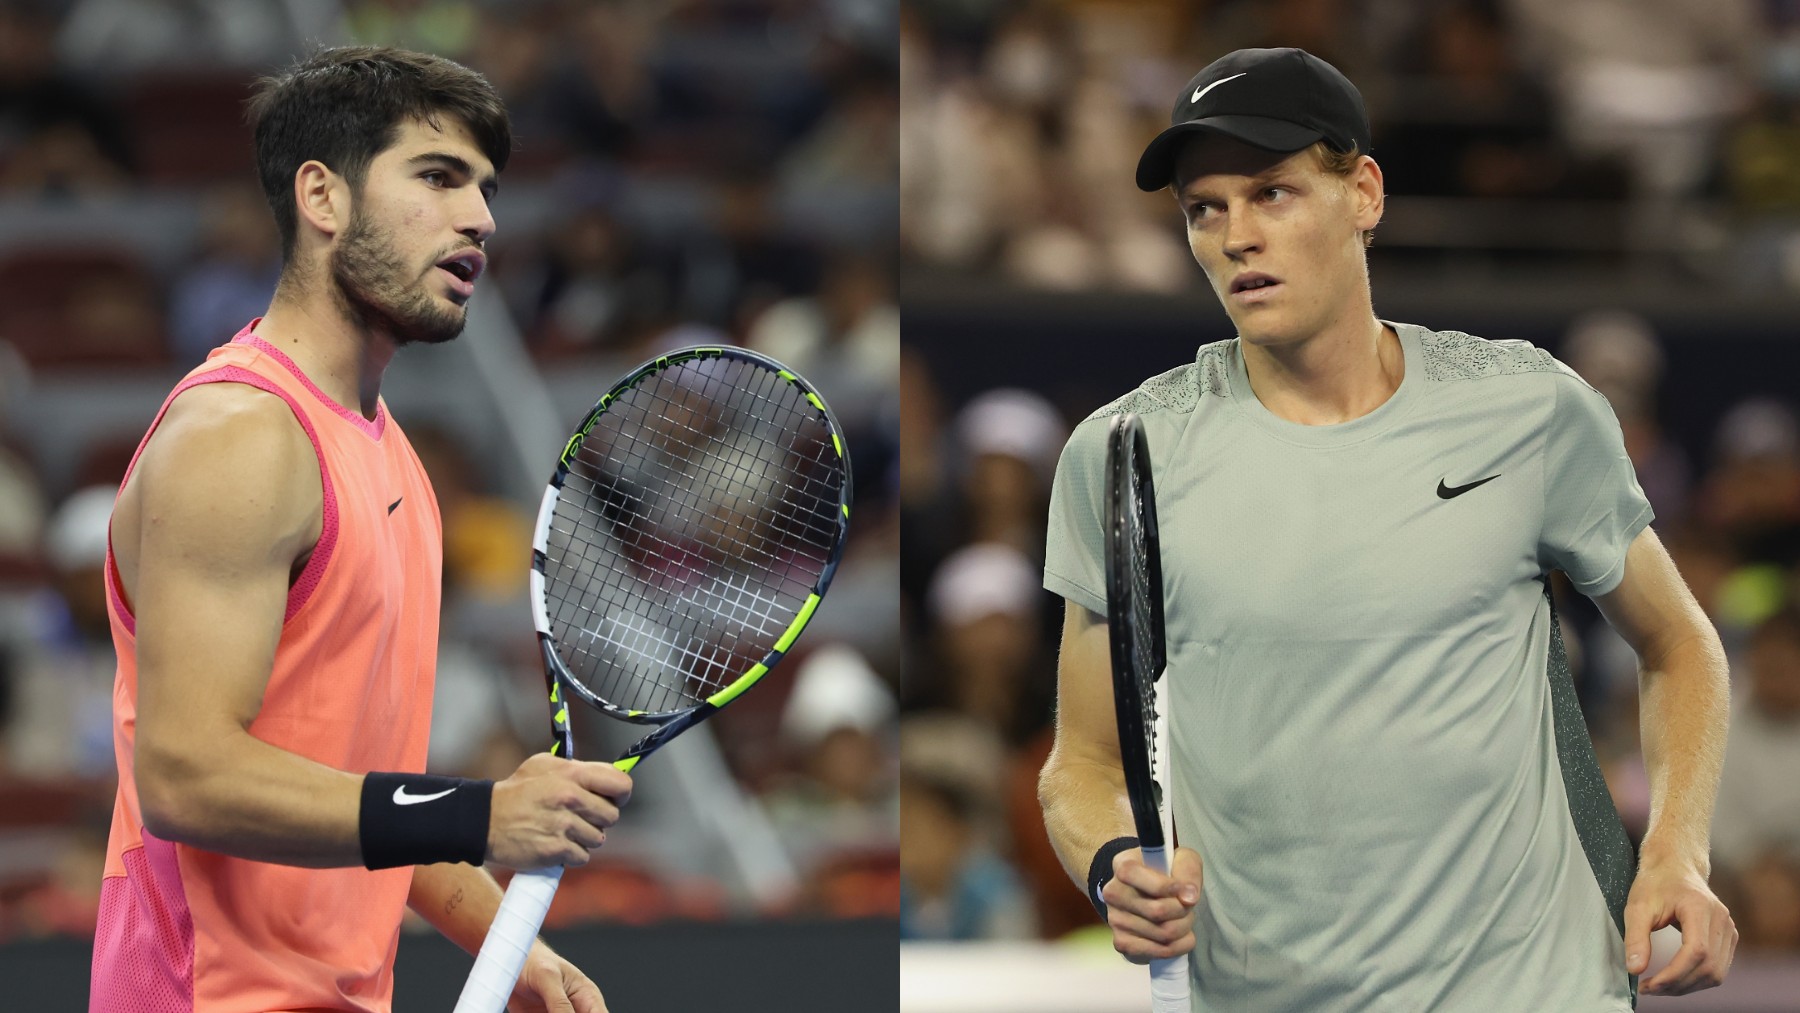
(694, 521)
(1134, 617)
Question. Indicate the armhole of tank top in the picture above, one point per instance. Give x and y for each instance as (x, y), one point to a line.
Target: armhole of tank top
(301, 590)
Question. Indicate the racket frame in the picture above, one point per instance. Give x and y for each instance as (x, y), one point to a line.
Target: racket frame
(669, 724)
(1129, 481)
(1143, 730)
(528, 896)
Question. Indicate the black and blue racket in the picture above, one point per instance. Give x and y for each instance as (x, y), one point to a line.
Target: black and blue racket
(695, 519)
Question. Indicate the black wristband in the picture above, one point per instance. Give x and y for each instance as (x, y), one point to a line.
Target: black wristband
(1100, 869)
(420, 819)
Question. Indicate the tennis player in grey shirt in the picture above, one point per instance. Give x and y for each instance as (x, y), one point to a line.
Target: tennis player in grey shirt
(1375, 746)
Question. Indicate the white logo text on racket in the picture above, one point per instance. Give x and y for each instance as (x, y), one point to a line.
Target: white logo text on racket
(402, 798)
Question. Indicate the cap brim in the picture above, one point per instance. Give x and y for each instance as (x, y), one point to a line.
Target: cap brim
(1156, 169)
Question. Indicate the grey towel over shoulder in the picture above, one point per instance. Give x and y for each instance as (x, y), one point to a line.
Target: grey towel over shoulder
(1364, 736)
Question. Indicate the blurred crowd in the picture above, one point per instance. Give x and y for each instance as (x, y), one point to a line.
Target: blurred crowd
(977, 709)
(1592, 132)
(685, 171)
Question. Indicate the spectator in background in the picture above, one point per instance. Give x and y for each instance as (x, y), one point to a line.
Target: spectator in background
(58, 136)
(1469, 121)
(60, 709)
(1770, 892)
(233, 278)
(836, 728)
(845, 338)
(990, 661)
(594, 287)
(1752, 493)
(1617, 353)
(1759, 793)
(750, 259)
(22, 507)
(1010, 439)
(578, 81)
(1652, 81)
(954, 884)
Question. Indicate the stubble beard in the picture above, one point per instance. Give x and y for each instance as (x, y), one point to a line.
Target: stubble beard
(380, 292)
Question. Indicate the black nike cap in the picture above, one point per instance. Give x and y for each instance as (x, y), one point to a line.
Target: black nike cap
(1274, 99)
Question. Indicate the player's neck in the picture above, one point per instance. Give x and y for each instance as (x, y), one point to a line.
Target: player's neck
(339, 354)
(1342, 373)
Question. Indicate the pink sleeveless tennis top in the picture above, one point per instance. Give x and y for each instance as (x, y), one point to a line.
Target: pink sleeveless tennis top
(193, 931)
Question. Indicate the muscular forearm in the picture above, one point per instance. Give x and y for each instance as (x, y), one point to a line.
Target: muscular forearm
(238, 795)
(1684, 698)
(1084, 807)
(458, 900)
(1082, 788)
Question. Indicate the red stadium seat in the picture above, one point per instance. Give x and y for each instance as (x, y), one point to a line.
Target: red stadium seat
(81, 307)
(858, 883)
(190, 128)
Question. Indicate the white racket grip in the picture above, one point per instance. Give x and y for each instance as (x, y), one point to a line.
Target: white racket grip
(509, 941)
(1168, 978)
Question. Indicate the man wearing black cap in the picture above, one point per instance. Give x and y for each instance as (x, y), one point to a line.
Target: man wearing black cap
(1374, 738)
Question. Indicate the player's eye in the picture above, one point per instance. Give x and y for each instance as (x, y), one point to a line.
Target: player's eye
(436, 177)
(1275, 193)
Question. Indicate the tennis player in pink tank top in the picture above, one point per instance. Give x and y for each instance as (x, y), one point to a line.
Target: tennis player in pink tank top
(273, 582)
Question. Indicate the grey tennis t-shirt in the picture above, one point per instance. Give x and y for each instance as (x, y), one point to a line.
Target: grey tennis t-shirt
(1364, 749)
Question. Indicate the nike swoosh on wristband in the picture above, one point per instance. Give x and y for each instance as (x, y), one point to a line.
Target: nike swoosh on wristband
(402, 798)
(1451, 492)
(1201, 91)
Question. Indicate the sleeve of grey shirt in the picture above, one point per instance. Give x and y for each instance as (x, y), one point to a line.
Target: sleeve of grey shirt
(1593, 506)
(1074, 549)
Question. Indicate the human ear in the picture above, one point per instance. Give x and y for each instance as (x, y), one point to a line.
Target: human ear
(1369, 192)
(321, 198)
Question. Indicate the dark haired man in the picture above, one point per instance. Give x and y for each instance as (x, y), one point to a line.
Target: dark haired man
(1374, 739)
(273, 581)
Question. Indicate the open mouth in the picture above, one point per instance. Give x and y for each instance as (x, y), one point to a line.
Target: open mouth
(1252, 282)
(465, 267)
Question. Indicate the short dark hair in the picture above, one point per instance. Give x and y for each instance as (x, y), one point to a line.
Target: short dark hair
(344, 105)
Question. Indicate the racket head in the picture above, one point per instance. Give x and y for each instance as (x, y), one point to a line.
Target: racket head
(695, 519)
(1134, 616)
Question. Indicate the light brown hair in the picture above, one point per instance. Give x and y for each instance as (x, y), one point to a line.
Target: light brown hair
(1341, 164)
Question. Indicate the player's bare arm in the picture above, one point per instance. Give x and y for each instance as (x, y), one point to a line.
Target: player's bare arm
(460, 901)
(222, 510)
(1082, 791)
(1684, 691)
(224, 505)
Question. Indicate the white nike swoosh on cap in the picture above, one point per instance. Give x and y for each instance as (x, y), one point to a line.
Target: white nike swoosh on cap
(1201, 91)
(402, 798)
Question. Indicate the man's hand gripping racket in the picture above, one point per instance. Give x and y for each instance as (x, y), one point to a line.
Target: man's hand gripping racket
(694, 521)
(1134, 616)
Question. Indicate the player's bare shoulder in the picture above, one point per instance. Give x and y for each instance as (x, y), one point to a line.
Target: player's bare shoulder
(229, 472)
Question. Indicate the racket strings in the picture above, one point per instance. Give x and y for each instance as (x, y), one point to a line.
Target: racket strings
(1143, 621)
(693, 522)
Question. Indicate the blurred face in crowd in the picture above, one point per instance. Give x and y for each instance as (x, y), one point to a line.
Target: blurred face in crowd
(1010, 497)
(1279, 236)
(1775, 669)
(1771, 919)
(407, 261)
(848, 763)
(933, 836)
(988, 657)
